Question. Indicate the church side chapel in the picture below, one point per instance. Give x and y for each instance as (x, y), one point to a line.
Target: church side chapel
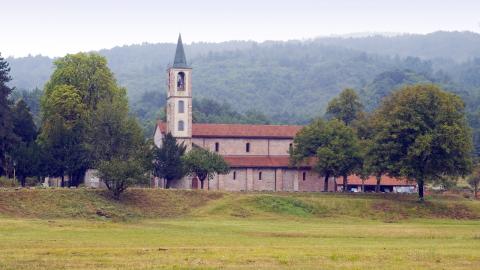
(258, 155)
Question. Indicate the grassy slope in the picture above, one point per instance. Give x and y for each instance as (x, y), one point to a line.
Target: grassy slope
(66, 229)
(150, 203)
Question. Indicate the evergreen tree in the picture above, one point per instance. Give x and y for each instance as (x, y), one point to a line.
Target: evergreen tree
(168, 163)
(26, 153)
(7, 137)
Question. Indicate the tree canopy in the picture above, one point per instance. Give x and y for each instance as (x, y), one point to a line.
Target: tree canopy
(334, 147)
(204, 164)
(424, 134)
(167, 160)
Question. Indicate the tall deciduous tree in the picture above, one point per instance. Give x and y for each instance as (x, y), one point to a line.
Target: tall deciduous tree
(333, 145)
(118, 147)
(204, 164)
(77, 87)
(424, 134)
(168, 163)
(346, 107)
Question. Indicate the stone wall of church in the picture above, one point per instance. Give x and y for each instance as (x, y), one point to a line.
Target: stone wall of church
(248, 179)
(238, 146)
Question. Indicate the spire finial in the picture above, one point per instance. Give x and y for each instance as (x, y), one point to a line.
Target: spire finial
(180, 60)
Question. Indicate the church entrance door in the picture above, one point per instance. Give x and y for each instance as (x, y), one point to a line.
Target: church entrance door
(194, 183)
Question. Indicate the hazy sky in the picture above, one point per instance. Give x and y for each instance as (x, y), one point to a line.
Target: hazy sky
(57, 27)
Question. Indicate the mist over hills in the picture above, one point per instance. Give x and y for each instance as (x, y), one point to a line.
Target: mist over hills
(289, 81)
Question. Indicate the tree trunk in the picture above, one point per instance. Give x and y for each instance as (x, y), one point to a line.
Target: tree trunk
(379, 180)
(325, 184)
(420, 190)
(201, 184)
(363, 185)
(345, 183)
(475, 191)
(62, 183)
(167, 183)
(22, 181)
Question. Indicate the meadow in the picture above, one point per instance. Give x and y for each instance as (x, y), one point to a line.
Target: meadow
(158, 229)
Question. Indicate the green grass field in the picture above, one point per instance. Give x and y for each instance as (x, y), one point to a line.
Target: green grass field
(155, 229)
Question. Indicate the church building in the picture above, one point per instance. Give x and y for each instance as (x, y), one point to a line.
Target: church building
(258, 155)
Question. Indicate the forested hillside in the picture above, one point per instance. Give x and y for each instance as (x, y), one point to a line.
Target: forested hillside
(288, 82)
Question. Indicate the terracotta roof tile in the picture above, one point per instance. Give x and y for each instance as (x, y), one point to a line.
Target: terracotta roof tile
(258, 161)
(372, 181)
(241, 130)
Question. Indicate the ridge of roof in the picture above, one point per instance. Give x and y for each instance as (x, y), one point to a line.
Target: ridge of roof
(207, 130)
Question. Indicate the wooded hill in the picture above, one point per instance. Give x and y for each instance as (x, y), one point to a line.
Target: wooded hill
(290, 82)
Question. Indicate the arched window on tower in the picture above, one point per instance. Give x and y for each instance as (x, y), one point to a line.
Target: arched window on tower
(181, 81)
(181, 125)
(181, 106)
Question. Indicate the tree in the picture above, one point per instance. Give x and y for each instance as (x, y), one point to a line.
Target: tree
(168, 163)
(346, 107)
(117, 146)
(26, 153)
(7, 136)
(333, 145)
(204, 164)
(474, 180)
(77, 87)
(118, 174)
(424, 135)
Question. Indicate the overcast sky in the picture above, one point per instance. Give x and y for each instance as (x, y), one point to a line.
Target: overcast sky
(57, 27)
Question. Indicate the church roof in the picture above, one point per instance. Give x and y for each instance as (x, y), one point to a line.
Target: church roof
(372, 181)
(240, 130)
(262, 162)
(180, 60)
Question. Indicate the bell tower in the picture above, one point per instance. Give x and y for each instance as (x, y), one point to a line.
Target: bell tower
(179, 97)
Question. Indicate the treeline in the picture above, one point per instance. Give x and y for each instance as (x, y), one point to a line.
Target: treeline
(85, 124)
(419, 133)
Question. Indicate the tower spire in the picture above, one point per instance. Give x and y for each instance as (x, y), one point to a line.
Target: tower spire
(180, 60)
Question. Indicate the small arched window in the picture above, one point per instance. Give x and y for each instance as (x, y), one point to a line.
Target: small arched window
(181, 125)
(304, 176)
(260, 176)
(181, 81)
(217, 147)
(247, 147)
(181, 106)
(234, 175)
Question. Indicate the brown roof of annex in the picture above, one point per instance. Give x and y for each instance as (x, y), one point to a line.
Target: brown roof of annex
(240, 130)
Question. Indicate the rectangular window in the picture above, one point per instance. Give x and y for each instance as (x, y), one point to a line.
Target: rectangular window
(260, 176)
(304, 176)
(181, 106)
(247, 147)
(217, 147)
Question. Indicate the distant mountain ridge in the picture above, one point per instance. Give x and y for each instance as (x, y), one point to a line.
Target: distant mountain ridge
(287, 79)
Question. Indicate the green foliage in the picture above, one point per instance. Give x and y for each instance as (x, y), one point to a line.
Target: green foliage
(119, 173)
(346, 107)
(168, 163)
(204, 164)
(423, 134)
(332, 144)
(83, 108)
(26, 154)
(7, 137)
